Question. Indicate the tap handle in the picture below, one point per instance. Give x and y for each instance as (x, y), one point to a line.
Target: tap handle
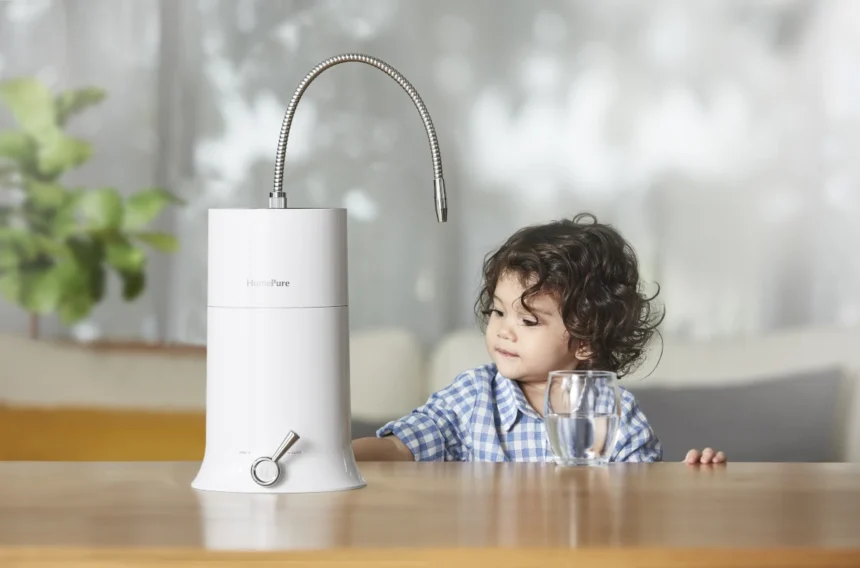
(288, 442)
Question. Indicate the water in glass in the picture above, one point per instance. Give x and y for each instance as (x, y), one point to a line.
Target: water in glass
(582, 414)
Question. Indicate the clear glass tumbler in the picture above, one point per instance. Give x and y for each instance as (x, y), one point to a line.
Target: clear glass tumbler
(582, 410)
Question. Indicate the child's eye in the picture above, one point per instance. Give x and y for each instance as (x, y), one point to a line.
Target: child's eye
(530, 323)
(492, 312)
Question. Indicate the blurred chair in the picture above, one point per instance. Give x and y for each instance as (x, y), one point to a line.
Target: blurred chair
(387, 368)
(795, 417)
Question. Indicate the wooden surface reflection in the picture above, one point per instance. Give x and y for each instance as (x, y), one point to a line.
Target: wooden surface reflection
(129, 510)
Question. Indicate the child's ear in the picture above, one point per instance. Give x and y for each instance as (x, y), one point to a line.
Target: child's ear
(583, 352)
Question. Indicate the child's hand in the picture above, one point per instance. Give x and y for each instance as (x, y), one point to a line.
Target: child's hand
(708, 456)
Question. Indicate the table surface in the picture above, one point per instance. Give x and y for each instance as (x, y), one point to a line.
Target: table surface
(146, 513)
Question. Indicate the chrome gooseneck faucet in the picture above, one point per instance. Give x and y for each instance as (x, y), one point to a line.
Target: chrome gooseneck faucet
(278, 198)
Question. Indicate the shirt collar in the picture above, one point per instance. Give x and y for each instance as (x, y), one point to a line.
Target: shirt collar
(510, 402)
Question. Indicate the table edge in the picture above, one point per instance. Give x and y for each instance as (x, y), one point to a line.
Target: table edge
(631, 557)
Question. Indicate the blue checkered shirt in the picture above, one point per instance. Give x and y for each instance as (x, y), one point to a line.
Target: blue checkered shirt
(483, 416)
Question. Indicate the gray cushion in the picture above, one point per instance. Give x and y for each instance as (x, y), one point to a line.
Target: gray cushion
(791, 419)
(365, 429)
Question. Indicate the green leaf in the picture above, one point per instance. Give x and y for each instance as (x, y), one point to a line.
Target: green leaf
(159, 241)
(75, 308)
(86, 251)
(133, 284)
(101, 209)
(46, 194)
(81, 281)
(89, 255)
(90, 281)
(10, 286)
(31, 104)
(59, 153)
(124, 256)
(65, 223)
(69, 103)
(17, 146)
(9, 257)
(50, 247)
(96, 282)
(43, 289)
(145, 205)
(28, 246)
(24, 243)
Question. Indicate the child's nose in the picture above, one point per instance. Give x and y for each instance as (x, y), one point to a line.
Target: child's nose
(506, 331)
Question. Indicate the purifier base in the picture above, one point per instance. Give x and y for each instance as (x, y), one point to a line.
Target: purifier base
(235, 477)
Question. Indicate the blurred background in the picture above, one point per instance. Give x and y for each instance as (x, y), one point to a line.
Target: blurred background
(720, 137)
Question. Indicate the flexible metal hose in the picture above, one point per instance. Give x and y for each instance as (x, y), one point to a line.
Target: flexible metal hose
(278, 198)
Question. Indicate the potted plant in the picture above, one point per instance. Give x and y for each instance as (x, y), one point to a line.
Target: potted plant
(57, 243)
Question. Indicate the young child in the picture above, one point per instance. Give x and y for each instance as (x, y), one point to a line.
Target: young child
(564, 295)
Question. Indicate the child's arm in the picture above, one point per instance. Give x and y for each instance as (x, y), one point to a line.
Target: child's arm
(387, 448)
(432, 432)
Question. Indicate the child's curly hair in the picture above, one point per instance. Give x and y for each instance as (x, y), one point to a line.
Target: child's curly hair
(594, 274)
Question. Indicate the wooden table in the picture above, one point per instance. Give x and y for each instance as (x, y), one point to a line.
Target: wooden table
(438, 514)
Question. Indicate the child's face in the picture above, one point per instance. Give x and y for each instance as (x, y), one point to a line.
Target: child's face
(526, 347)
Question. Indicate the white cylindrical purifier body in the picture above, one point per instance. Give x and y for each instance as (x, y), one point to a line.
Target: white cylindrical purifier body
(278, 407)
(278, 385)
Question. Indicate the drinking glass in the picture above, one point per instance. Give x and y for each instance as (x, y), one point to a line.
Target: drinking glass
(582, 410)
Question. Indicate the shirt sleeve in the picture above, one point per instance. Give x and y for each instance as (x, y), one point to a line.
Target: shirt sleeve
(435, 431)
(636, 440)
